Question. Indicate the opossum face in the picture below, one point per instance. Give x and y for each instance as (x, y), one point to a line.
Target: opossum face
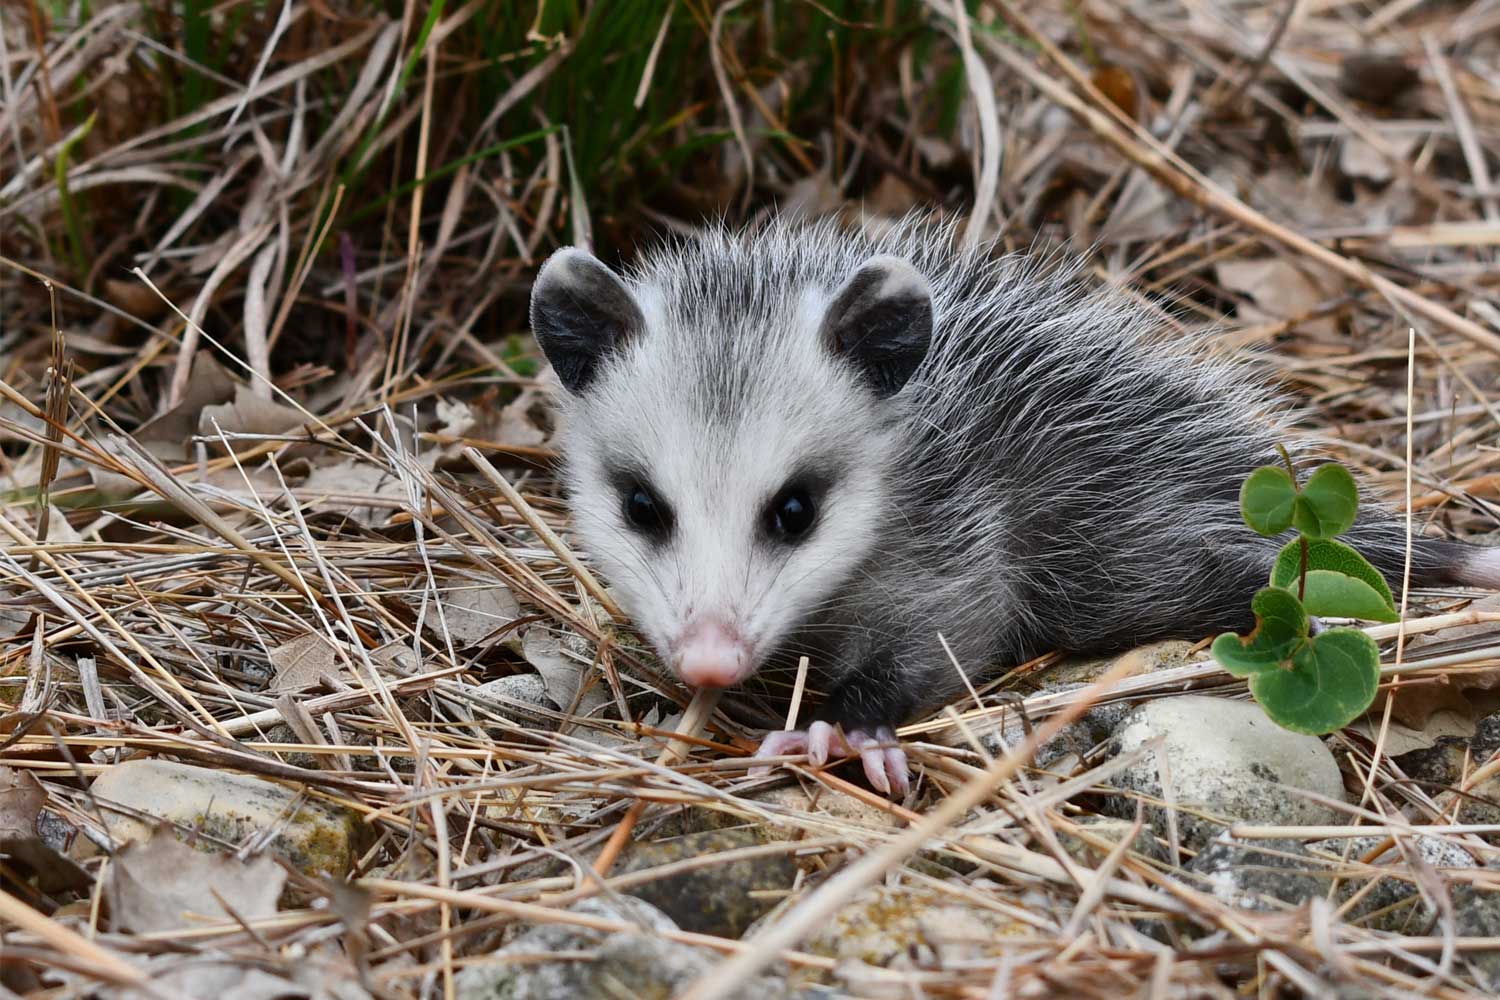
(727, 467)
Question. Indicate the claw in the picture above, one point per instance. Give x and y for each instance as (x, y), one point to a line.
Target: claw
(822, 740)
(883, 759)
(881, 755)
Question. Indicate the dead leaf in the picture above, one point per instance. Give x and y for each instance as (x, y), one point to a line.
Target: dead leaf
(59, 531)
(1279, 291)
(472, 614)
(21, 800)
(517, 422)
(249, 414)
(1376, 77)
(1118, 85)
(1358, 158)
(351, 488)
(303, 662)
(564, 663)
(1470, 696)
(136, 298)
(208, 384)
(455, 418)
(165, 885)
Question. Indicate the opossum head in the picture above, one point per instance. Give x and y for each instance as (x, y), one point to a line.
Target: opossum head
(728, 438)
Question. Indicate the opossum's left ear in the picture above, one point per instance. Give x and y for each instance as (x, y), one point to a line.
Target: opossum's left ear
(580, 311)
(881, 322)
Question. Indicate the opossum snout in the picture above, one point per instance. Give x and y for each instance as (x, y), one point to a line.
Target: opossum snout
(711, 652)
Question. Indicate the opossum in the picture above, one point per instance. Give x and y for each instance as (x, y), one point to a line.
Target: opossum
(908, 462)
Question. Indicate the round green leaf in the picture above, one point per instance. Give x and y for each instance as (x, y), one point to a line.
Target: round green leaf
(1332, 682)
(1334, 595)
(1327, 503)
(1325, 553)
(1281, 627)
(1267, 500)
(1241, 658)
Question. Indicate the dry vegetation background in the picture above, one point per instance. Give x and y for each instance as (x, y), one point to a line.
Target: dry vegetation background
(274, 487)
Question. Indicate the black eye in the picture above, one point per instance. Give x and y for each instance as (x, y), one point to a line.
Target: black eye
(791, 514)
(645, 512)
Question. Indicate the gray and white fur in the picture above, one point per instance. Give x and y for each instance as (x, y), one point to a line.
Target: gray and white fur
(993, 452)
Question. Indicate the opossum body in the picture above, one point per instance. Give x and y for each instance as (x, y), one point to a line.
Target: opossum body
(904, 461)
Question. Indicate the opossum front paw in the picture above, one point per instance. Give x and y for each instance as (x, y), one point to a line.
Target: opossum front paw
(883, 759)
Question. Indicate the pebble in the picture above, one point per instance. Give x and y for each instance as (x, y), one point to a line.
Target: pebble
(227, 807)
(1392, 903)
(565, 960)
(1228, 762)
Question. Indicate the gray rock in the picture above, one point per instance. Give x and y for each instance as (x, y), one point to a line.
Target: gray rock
(1254, 875)
(528, 689)
(721, 899)
(643, 966)
(1393, 903)
(229, 808)
(1111, 831)
(1477, 914)
(1228, 762)
(918, 925)
(1445, 765)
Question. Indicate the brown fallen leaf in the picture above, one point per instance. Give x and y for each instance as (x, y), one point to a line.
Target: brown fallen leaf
(304, 662)
(21, 800)
(1117, 84)
(340, 487)
(1278, 290)
(1376, 77)
(249, 414)
(563, 662)
(165, 885)
(1466, 694)
(473, 613)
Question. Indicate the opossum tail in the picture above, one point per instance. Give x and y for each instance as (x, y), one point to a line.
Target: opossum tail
(1434, 561)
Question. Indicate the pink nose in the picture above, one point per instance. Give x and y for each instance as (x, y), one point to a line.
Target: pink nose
(711, 653)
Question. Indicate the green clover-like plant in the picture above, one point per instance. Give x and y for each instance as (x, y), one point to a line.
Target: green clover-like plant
(1309, 683)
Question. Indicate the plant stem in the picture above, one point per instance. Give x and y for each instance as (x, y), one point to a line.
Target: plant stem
(1287, 458)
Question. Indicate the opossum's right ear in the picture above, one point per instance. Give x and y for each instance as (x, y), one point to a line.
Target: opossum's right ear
(881, 322)
(580, 311)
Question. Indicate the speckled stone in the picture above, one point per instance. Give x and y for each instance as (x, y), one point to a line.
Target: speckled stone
(642, 966)
(1442, 766)
(1111, 831)
(1477, 914)
(911, 925)
(1392, 903)
(228, 807)
(1228, 762)
(723, 898)
(528, 688)
(1255, 875)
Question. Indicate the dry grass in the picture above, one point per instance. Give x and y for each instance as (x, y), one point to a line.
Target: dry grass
(342, 210)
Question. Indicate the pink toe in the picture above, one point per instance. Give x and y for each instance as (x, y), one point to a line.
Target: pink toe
(898, 770)
(884, 760)
(819, 742)
(784, 742)
(775, 745)
(873, 759)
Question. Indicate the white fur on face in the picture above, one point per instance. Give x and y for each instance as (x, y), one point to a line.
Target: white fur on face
(719, 421)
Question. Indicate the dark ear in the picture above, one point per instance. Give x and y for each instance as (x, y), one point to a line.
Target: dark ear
(580, 311)
(881, 322)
